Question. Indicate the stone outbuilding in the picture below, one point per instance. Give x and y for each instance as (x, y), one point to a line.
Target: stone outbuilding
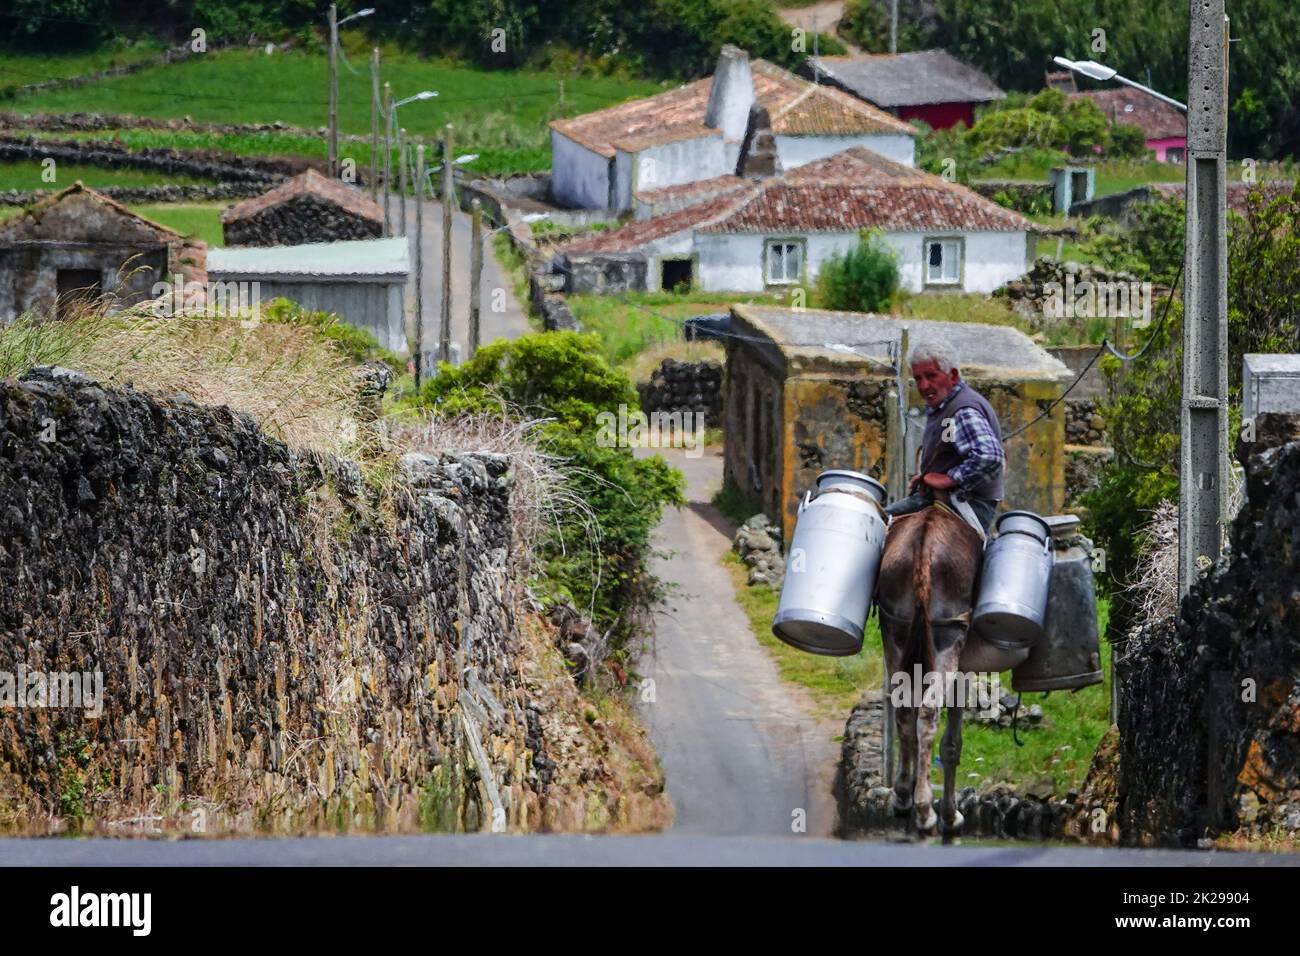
(80, 244)
(362, 282)
(307, 208)
(807, 390)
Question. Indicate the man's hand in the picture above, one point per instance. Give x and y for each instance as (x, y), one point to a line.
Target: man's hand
(938, 480)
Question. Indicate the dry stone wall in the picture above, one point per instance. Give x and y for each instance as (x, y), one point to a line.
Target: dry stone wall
(282, 646)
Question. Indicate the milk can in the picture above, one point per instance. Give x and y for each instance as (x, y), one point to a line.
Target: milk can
(831, 569)
(1017, 571)
(1069, 655)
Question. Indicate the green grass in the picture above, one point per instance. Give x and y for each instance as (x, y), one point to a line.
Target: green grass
(631, 323)
(1055, 755)
(20, 69)
(834, 683)
(499, 114)
(27, 175)
(202, 220)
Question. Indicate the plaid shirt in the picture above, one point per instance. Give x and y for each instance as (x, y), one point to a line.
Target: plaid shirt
(980, 450)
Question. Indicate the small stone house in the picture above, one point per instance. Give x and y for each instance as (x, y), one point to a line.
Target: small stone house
(602, 160)
(80, 244)
(307, 208)
(806, 390)
(729, 234)
(928, 85)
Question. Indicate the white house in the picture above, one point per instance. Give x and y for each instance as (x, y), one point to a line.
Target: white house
(695, 132)
(753, 236)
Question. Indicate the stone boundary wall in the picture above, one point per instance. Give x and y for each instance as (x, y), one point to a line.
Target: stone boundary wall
(1209, 712)
(214, 165)
(170, 192)
(684, 387)
(282, 646)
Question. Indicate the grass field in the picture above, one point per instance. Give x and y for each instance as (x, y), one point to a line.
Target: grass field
(21, 69)
(27, 175)
(1055, 755)
(202, 220)
(499, 114)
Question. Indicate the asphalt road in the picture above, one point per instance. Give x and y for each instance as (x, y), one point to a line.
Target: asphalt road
(671, 849)
(742, 754)
(511, 322)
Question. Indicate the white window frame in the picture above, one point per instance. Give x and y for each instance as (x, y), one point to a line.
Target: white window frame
(785, 243)
(955, 243)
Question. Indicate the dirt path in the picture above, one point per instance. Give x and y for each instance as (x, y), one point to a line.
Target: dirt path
(740, 750)
(819, 18)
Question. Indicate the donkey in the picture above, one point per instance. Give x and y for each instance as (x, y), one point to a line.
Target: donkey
(924, 592)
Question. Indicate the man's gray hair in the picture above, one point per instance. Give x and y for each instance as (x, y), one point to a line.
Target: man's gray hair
(923, 352)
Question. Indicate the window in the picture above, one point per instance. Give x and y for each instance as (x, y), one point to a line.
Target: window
(942, 261)
(784, 261)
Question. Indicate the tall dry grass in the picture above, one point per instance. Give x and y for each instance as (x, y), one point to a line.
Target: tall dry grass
(296, 385)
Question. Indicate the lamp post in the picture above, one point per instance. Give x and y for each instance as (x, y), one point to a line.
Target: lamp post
(1102, 73)
(390, 116)
(335, 23)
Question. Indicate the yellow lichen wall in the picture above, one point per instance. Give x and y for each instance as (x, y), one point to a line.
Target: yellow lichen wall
(838, 421)
(829, 422)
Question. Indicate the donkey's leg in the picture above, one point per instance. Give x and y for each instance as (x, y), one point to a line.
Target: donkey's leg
(904, 728)
(950, 752)
(948, 643)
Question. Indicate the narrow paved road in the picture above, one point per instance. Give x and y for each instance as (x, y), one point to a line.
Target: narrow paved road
(667, 850)
(497, 290)
(820, 17)
(740, 751)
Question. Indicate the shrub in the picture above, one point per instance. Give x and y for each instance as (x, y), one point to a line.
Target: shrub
(1127, 141)
(1016, 128)
(862, 280)
(594, 558)
(1083, 126)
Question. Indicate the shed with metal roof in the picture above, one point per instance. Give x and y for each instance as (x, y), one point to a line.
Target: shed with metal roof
(362, 281)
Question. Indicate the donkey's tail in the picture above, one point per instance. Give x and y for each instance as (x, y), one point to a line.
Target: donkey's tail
(921, 626)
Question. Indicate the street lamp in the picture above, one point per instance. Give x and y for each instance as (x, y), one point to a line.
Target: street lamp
(390, 119)
(335, 23)
(1102, 73)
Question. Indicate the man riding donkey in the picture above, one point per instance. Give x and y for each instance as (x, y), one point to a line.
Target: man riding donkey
(931, 562)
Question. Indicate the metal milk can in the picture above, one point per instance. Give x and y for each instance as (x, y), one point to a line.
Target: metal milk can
(1012, 604)
(831, 570)
(1069, 655)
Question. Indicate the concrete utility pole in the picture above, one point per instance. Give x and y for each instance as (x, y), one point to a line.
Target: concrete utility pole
(893, 26)
(897, 452)
(401, 179)
(388, 149)
(374, 122)
(419, 261)
(1203, 471)
(334, 91)
(475, 272)
(444, 337)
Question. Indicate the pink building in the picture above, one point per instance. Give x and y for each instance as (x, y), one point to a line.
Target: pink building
(1165, 126)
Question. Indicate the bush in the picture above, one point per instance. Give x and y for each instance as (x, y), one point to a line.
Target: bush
(1016, 128)
(1127, 141)
(862, 280)
(1083, 126)
(561, 377)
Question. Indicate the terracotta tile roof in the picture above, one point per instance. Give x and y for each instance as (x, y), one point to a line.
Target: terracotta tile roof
(852, 190)
(1157, 118)
(700, 188)
(859, 189)
(923, 78)
(309, 183)
(796, 106)
(634, 236)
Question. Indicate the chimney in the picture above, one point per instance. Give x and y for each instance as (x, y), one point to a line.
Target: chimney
(758, 154)
(731, 94)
